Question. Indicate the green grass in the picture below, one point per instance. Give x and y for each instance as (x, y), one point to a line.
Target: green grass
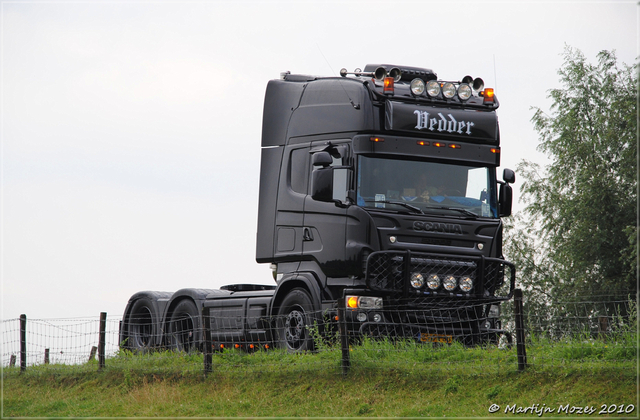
(385, 380)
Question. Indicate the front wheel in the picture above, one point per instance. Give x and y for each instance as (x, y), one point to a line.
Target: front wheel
(294, 322)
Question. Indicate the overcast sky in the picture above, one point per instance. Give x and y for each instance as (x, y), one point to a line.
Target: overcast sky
(131, 130)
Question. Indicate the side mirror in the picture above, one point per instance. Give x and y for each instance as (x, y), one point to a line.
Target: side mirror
(322, 159)
(322, 183)
(509, 176)
(329, 184)
(505, 200)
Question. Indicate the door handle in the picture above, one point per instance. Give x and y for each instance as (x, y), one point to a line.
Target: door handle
(307, 235)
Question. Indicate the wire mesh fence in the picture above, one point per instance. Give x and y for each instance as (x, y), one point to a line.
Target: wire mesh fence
(56, 341)
(592, 333)
(438, 336)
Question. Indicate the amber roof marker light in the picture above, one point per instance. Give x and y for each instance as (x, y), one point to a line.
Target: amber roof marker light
(488, 95)
(388, 88)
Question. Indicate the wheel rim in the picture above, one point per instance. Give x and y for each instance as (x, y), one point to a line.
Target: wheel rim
(183, 331)
(294, 328)
(141, 328)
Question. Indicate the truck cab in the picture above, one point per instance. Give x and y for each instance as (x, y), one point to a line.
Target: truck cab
(384, 185)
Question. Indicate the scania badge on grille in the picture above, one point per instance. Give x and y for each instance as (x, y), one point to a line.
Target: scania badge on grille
(437, 227)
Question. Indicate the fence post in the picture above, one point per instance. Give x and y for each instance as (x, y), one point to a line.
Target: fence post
(12, 361)
(92, 353)
(101, 340)
(603, 327)
(519, 318)
(206, 333)
(23, 343)
(344, 338)
(46, 356)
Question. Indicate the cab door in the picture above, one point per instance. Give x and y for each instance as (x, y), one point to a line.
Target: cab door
(325, 222)
(291, 200)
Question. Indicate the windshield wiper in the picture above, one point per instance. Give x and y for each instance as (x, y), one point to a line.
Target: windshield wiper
(458, 209)
(400, 203)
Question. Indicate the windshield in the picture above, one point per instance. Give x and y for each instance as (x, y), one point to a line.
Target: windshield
(426, 187)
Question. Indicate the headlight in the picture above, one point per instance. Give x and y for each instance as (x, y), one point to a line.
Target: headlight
(369, 302)
(449, 90)
(433, 282)
(464, 92)
(417, 281)
(363, 302)
(450, 283)
(417, 87)
(433, 88)
(466, 284)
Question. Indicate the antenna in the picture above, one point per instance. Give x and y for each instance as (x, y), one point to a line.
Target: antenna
(325, 59)
(495, 77)
(353, 104)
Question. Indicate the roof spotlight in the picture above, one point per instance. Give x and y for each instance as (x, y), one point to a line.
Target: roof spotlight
(449, 90)
(464, 91)
(467, 79)
(433, 88)
(417, 87)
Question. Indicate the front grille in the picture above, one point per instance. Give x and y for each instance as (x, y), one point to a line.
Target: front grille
(390, 272)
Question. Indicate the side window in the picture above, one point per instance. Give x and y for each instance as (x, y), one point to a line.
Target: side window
(329, 174)
(298, 172)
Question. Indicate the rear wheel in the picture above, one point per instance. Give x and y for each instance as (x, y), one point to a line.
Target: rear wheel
(184, 327)
(294, 322)
(141, 326)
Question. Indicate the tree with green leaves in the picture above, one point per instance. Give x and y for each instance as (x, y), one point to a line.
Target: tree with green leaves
(577, 236)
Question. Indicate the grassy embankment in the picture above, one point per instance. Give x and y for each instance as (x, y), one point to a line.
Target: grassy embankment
(385, 380)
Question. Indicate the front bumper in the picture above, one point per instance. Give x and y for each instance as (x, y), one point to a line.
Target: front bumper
(389, 272)
(434, 334)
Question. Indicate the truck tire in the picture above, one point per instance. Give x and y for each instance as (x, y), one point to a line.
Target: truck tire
(142, 326)
(294, 322)
(184, 327)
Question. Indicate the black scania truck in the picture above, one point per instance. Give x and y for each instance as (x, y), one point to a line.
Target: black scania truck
(378, 191)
